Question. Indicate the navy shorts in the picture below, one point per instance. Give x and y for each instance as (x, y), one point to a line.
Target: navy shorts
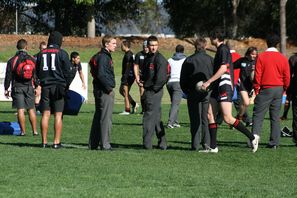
(23, 97)
(50, 101)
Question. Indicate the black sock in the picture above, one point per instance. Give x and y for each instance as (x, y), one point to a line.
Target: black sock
(240, 127)
(213, 135)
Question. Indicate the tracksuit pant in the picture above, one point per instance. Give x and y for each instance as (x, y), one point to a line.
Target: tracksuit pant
(102, 120)
(152, 119)
(198, 110)
(175, 93)
(269, 98)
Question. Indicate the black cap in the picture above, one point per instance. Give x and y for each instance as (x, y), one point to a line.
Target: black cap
(55, 38)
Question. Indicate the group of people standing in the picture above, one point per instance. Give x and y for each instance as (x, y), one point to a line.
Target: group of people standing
(207, 83)
(41, 80)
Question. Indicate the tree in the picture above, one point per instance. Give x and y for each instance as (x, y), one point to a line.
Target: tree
(283, 26)
(90, 16)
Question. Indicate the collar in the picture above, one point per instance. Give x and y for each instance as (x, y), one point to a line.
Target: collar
(271, 49)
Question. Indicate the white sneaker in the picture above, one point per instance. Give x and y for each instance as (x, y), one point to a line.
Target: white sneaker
(209, 150)
(255, 143)
(124, 113)
(176, 125)
(169, 126)
(134, 109)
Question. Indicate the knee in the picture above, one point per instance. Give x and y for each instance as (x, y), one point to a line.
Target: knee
(228, 119)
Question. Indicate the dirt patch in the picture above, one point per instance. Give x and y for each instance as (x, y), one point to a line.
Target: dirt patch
(165, 43)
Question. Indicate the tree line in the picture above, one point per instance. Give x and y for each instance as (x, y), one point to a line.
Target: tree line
(238, 18)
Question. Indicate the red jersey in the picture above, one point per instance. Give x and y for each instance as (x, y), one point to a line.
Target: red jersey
(235, 57)
(272, 70)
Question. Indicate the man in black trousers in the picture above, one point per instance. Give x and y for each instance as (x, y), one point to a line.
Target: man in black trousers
(197, 67)
(154, 77)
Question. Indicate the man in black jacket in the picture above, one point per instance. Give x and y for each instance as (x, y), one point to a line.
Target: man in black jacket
(102, 70)
(197, 67)
(54, 73)
(154, 77)
(22, 90)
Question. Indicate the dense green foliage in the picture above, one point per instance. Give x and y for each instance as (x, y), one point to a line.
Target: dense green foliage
(254, 18)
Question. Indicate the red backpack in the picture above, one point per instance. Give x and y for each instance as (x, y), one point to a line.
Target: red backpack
(23, 67)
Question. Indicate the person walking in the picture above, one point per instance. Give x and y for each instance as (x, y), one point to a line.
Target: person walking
(127, 79)
(222, 92)
(102, 70)
(54, 73)
(197, 67)
(21, 71)
(246, 65)
(173, 85)
(155, 76)
(272, 78)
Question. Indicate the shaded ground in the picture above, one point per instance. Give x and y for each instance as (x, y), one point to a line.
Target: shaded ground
(165, 43)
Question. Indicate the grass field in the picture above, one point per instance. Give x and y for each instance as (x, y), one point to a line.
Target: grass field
(129, 171)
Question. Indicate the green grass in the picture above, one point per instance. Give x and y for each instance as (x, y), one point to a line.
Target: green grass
(129, 171)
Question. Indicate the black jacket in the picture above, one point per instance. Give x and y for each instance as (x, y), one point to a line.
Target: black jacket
(293, 70)
(197, 67)
(53, 67)
(104, 72)
(10, 75)
(155, 74)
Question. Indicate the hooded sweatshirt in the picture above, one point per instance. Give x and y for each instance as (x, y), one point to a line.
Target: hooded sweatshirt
(176, 62)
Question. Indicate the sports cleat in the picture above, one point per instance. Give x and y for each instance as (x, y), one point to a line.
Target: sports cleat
(169, 126)
(134, 109)
(57, 146)
(209, 150)
(255, 143)
(124, 113)
(176, 125)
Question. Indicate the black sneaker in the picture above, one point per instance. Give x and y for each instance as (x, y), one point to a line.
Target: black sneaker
(44, 145)
(57, 146)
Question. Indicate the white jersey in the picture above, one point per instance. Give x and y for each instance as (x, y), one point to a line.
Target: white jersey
(176, 66)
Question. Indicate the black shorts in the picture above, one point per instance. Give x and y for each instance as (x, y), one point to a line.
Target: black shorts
(23, 97)
(129, 81)
(245, 87)
(52, 98)
(222, 93)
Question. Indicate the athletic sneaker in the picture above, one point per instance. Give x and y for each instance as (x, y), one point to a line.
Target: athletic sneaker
(134, 109)
(209, 150)
(124, 113)
(255, 143)
(169, 126)
(176, 125)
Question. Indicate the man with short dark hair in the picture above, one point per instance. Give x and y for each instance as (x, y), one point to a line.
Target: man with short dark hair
(127, 79)
(76, 67)
(53, 71)
(197, 67)
(222, 91)
(154, 78)
(22, 90)
(173, 85)
(272, 78)
(138, 69)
